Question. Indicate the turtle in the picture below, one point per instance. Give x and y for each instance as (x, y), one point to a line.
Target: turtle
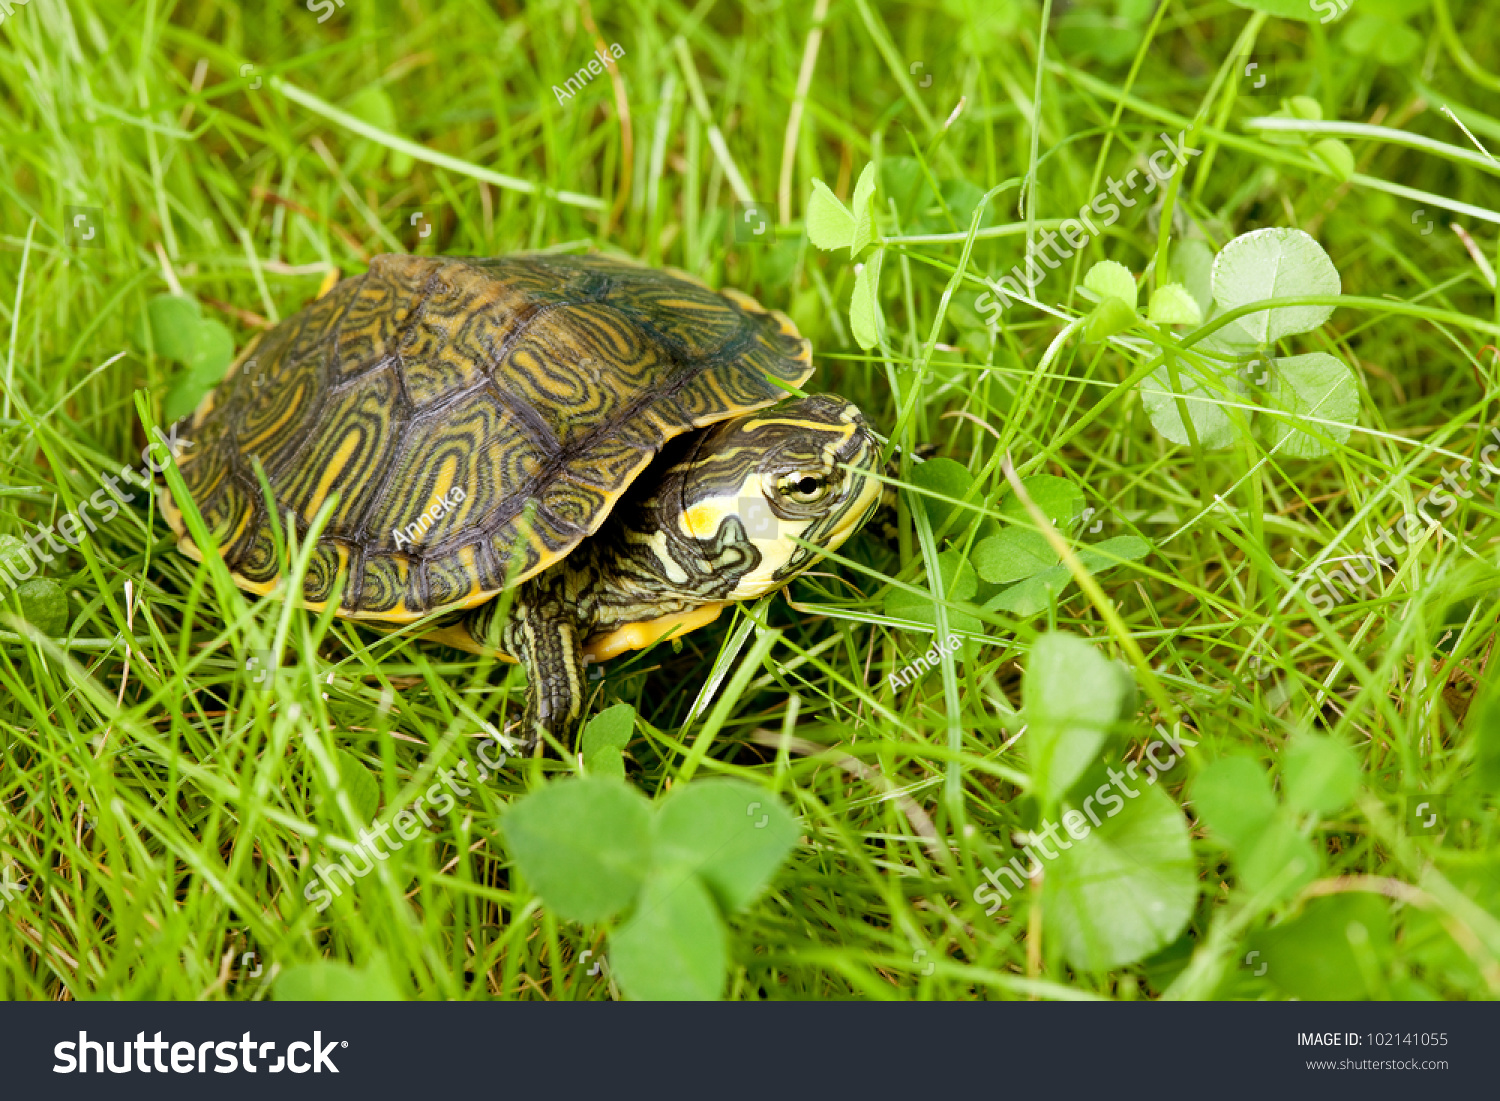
(546, 458)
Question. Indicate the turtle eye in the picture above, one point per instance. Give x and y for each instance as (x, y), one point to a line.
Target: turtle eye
(804, 488)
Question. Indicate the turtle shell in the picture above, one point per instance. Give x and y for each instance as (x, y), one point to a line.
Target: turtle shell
(467, 422)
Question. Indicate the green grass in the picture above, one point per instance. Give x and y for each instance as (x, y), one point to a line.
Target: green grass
(163, 812)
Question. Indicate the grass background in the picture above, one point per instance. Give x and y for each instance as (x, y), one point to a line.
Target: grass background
(162, 811)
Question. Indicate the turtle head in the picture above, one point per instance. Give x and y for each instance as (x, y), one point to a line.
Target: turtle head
(795, 474)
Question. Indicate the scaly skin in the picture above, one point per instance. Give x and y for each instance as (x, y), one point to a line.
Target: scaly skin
(680, 544)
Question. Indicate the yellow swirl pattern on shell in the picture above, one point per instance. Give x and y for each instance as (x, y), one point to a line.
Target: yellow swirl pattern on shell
(446, 348)
(381, 582)
(328, 562)
(258, 562)
(487, 458)
(348, 451)
(540, 386)
(375, 314)
(278, 414)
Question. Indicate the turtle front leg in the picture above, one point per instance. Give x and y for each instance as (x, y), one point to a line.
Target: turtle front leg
(547, 644)
(544, 636)
(542, 632)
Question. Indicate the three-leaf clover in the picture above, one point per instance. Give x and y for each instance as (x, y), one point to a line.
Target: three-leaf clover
(1272, 856)
(1311, 401)
(594, 848)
